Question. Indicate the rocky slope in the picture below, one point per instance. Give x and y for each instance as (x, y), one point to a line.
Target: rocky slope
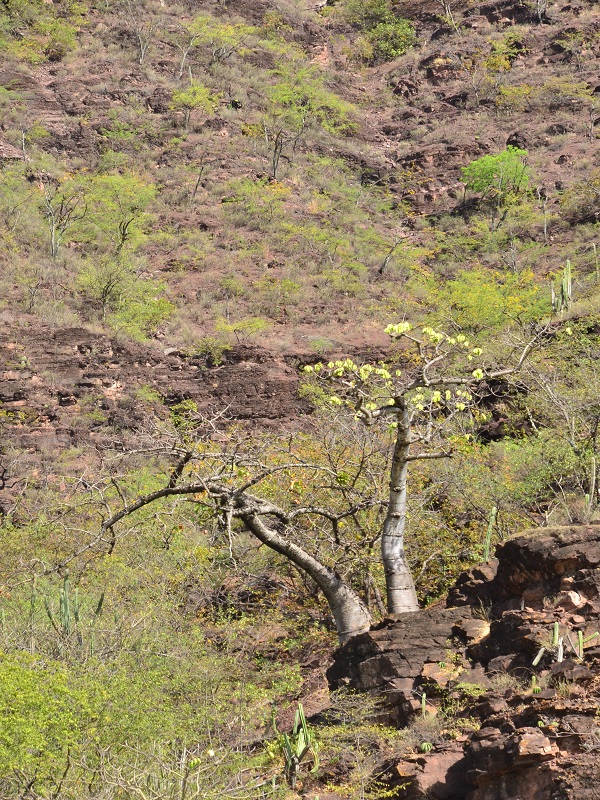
(514, 659)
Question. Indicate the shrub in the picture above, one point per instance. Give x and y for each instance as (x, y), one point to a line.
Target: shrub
(390, 40)
(581, 202)
(385, 36)
(498, 175)
(366, 14)
(500, 179)
(195, 97)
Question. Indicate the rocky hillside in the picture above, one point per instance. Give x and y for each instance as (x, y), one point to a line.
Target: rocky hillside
(514, 658)
(207, 210)
(366, 215)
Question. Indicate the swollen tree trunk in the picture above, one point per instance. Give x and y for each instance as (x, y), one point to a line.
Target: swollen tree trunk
(401, 593)
(349, 612)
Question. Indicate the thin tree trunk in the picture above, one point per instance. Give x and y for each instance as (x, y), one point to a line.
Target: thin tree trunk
(401, 593)
(349, 612)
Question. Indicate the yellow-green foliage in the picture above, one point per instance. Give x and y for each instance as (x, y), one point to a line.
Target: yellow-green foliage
(35, 31)
(195, 97)
(480, 299)
(385, 35)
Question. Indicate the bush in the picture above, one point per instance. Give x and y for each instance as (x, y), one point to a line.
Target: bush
(581, 202)
(498, 175)
(385, 36)
(390, 40)
(366, 14)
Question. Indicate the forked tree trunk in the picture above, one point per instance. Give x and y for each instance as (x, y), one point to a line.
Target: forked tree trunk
(401, 593)
(349, 612)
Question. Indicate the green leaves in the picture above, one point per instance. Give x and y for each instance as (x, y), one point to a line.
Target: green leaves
(35, 31)
(300, 97)
(296, 746)
(385, 35)
(498, 176)
(435, 386)
(195, 97)
(44, 715)
(221, 38)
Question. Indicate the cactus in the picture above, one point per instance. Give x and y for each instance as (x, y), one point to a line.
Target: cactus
(69, 616)
(423, 705)
(32, 604)
(581, 642)
(562, 301)
(488, 537)
(426, 747)
(555, 632)
(538, 657)
(296, 746)
(535, 687)
(590, 498)
(65, 608)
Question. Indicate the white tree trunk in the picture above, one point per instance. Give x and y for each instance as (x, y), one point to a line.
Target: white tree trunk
(349, 612)
(401, 593)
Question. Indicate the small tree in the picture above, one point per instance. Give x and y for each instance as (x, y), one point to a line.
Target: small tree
(222, 39)
(297, 102)
(426, 406)
(500, 179)
(143, 20)
(195, 97)
(118, 205)
(63, 205)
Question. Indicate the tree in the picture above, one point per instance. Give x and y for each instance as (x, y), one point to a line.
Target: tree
(196, 96)
(500, 179)
(222, 39)
(63, 205)
(118, 205)
(427, 405)
(143, 20)
(423, 404)
(298, 101)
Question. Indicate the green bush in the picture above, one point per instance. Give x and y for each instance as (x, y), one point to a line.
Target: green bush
(390, 40)
(367, 14)
(195, 97)
(385, 35)
(35, 31)
(497, 175)
(45, 717)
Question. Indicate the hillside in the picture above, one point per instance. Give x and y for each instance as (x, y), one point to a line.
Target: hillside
(199, 204)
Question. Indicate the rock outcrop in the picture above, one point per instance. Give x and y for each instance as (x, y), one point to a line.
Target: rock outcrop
(511, 669)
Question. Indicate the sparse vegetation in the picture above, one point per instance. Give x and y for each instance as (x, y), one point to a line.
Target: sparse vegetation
(197, 206)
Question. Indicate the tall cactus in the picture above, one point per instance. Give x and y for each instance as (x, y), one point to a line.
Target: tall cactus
(561, 302)
(488, 536)
(590, 498)
(69, 616)
(65, 607)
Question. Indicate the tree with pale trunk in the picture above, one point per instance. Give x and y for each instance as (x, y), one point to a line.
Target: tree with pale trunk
(428, 399)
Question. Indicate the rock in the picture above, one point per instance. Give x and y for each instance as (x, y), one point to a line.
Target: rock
(397, 656)
(569, 601)
(499, 766)
(570, 670)
(9, 153)
(537, 741)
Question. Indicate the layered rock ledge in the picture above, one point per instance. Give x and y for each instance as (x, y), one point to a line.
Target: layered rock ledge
(516, 652)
